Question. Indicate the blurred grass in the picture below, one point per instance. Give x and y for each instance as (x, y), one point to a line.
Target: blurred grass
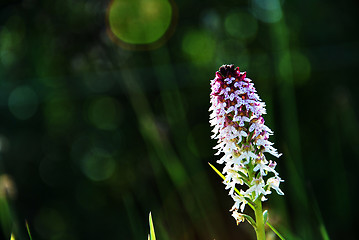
(289, 119)
(95, 136)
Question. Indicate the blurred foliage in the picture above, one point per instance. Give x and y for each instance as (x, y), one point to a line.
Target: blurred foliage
(104, 115)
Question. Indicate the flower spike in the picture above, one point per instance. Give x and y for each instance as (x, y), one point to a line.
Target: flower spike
(238, 125)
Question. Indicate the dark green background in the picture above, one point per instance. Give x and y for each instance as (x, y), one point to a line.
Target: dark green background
(94, 136)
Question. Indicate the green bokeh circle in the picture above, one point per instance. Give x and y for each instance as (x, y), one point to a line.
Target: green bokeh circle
(139, 21)
(23, 102)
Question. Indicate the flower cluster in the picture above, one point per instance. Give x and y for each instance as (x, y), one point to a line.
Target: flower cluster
(239, 127)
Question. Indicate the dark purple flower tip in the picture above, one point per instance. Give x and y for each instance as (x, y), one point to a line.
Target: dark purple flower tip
(219, 76)
(228, 70)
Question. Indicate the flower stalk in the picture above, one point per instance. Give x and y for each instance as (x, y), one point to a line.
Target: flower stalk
(242, 137)
(260, 221)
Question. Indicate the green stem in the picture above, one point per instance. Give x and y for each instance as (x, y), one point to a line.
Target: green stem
(259, 220)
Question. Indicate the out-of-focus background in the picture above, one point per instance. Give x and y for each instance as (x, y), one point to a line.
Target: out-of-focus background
(104, 115)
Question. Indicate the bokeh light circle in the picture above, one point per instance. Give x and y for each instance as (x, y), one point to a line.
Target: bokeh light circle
(23, 102)
(104, 113)
(139, 21)
(98, 164)
(199, 45)
(241, 25)
(59, 111)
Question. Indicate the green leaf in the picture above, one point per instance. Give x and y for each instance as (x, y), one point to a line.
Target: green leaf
(275, 231)
(152, 229)
(265, 216)
(244, 177)
(250, 220)
(250, 203)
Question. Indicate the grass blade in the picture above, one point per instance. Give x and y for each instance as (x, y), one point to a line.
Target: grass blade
(28, 229)
(152, 229)
(275, 231)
